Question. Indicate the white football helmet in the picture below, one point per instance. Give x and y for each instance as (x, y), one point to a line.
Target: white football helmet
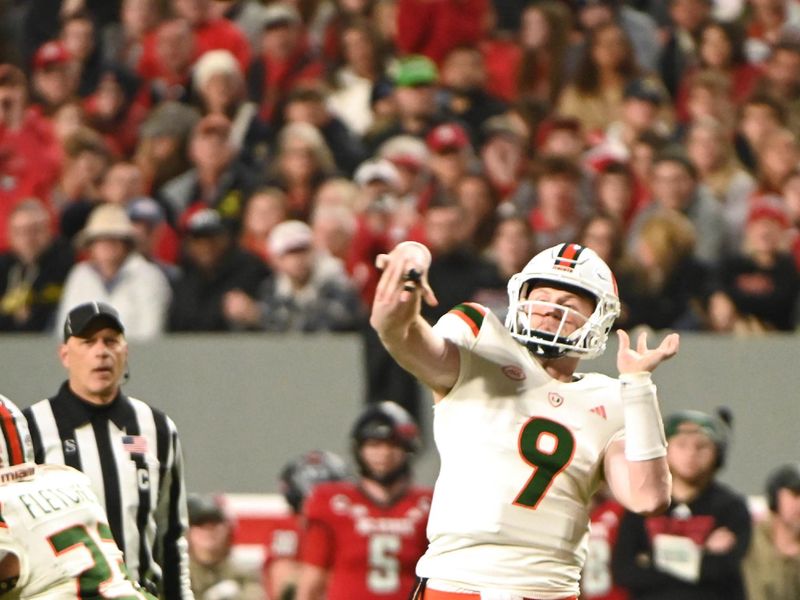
(570, 267)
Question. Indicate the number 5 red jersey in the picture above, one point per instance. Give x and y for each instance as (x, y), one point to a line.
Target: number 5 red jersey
(370, 550)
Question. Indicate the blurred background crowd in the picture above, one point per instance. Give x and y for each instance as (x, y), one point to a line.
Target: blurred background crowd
(210, 165)
(213, 166)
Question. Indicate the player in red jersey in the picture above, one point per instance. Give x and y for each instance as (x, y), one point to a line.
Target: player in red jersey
(597, 581)
(298, 477)
(362, 539)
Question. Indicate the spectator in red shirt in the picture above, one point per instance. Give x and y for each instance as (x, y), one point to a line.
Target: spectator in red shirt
(209, 34)
(768, 21)
(450, 160)
(377, 209)
(212, 33)
(244, 14)
(112, 111)
(284, 61)
(30, 156)
(167, 67)
(122, 42)
(721, 49)
(434, 27)
(55, 77)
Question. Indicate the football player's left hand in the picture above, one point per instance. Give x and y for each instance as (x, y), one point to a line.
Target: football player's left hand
(643, 358)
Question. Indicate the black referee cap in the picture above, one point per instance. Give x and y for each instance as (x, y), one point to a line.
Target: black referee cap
(85, 315)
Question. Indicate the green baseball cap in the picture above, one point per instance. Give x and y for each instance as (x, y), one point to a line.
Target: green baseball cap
(415, 70)
(694, 420)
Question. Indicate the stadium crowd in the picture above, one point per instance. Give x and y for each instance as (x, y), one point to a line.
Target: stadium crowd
(236, 165)
(215, 165)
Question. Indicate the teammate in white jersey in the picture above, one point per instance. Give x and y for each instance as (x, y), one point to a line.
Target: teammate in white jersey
(524, 439)
(54, 540)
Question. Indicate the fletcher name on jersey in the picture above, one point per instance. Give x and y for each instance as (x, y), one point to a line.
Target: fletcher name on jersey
(54, 524)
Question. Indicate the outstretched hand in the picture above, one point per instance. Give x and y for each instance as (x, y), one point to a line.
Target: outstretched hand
(405, 271)
(403, 283)
(643, 358)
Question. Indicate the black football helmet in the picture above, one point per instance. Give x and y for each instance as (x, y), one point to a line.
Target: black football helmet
(386, 421)
(300, 475)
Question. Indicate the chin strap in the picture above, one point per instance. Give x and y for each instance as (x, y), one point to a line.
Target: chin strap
(544, 350)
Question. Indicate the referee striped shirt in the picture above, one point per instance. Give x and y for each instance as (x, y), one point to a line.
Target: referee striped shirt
(132, 454)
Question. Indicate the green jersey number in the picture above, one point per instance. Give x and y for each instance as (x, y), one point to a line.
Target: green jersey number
(548, 447)
(104, 570)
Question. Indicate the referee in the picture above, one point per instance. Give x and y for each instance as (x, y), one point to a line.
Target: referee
(129, 450)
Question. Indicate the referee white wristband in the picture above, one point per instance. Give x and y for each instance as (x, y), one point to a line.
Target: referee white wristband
(644, 430)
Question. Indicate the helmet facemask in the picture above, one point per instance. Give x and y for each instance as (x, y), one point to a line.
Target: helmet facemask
(546, 343)
(588, 339)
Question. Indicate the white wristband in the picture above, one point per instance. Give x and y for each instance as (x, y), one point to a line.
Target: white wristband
(644, 430)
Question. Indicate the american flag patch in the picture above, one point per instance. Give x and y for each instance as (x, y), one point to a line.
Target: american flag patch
(135, 444)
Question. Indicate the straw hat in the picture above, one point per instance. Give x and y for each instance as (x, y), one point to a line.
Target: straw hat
(106, 221)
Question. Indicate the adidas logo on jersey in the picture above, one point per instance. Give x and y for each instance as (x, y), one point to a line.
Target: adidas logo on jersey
(599, 410)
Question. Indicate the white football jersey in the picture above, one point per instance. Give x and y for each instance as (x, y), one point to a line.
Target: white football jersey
(521, 455)
(51, 519)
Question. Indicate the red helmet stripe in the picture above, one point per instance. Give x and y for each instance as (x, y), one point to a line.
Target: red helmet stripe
(8, 425)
